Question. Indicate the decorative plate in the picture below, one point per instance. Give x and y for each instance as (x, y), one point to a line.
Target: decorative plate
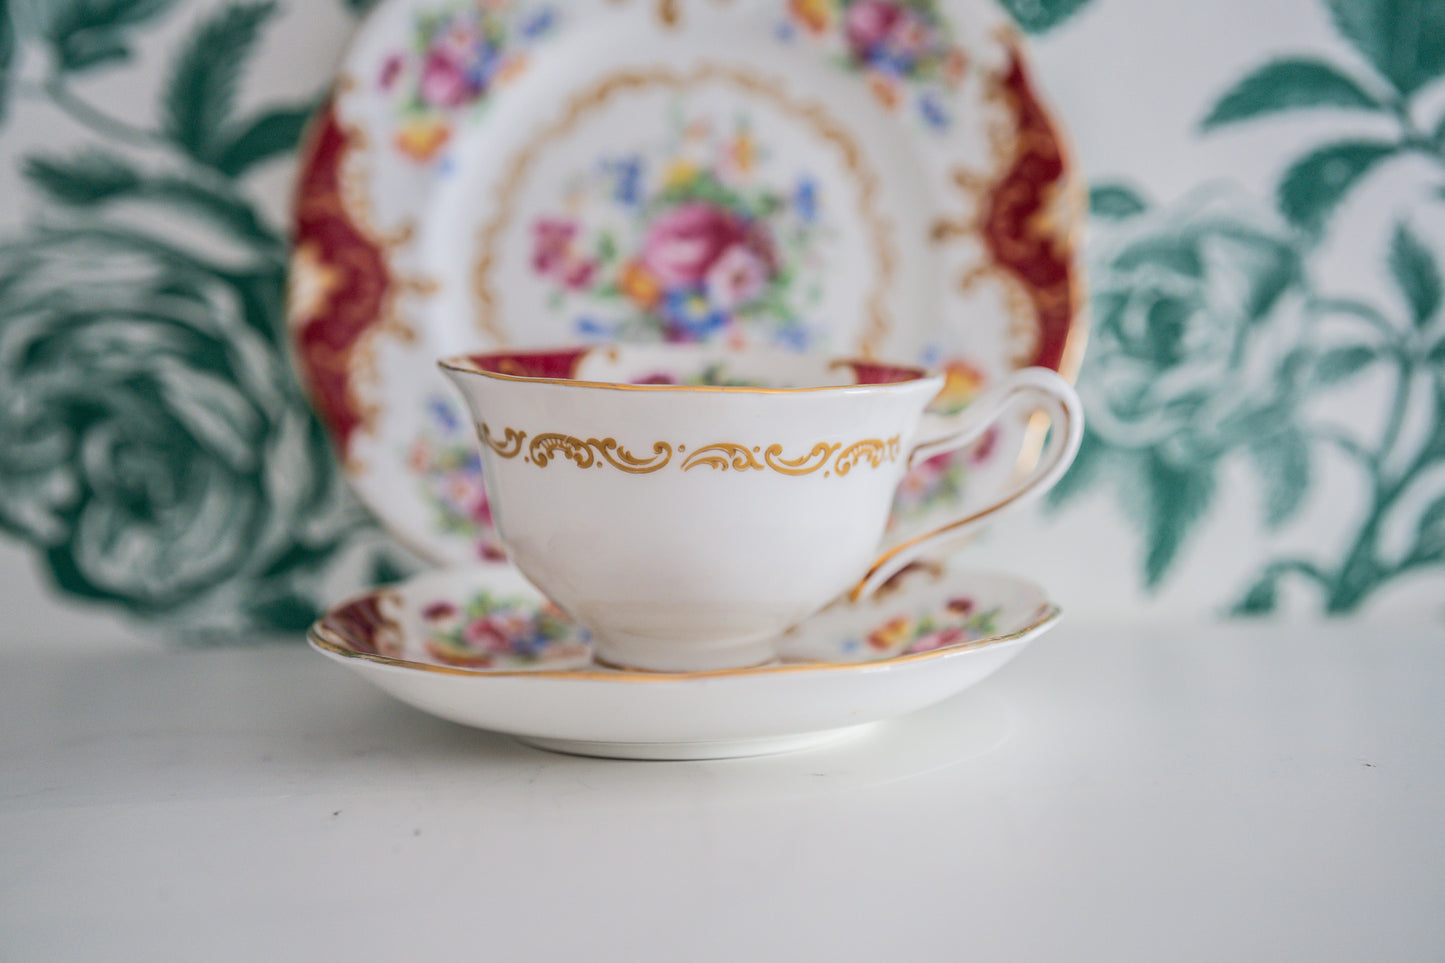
(859, 176)
(480, 646)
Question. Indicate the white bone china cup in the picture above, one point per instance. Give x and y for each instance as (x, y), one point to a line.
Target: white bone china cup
(688, 503)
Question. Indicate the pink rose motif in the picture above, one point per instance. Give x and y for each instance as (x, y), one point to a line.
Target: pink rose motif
(959, 605)
(983, 449)
(884, 29)
(551, 240)
(553, 254)
(484, 634)
(391, 69)
(938, 639)
(926, 475)
(577, 275)
(444, 80)
(737, 277)
(682, 245)
(437, 611)
(498, 632)
(465, 492)
(910, 37)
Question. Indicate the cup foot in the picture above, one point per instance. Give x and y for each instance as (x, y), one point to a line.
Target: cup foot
(647, 655)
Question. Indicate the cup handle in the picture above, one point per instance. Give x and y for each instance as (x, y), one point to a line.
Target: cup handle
(1041, 388)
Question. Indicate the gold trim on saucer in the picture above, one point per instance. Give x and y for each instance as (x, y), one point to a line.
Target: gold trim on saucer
(320, 637)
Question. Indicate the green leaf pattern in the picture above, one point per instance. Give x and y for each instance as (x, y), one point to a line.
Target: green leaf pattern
(1403, 39)
(1217, 335)
(1289, 84)
(155, 448)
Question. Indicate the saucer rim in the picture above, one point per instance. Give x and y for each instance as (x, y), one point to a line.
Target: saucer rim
(1045, 616)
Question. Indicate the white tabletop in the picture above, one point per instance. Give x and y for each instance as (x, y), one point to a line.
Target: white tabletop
(1251, 792)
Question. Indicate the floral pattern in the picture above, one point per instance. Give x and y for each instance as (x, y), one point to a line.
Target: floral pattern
(902, 48)
(1224, 342)
(457, 55)
(155, 449)
(448, 463)
(490, 631)
(941, 480)
(687, 243)
(957, 620)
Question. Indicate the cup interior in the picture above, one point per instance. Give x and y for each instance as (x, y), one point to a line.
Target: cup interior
(686, 366)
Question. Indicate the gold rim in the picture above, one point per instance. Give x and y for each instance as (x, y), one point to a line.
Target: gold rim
(320, 637)
(463, 364)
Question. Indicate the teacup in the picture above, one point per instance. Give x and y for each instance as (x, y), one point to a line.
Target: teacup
(688, 503)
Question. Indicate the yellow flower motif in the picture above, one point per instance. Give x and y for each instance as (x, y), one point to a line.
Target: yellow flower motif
(511, 68)
(816, 15)
(639, 285)
(744, 152)
(421, 139)
(679, 172)
(961, 382)
(891, 634)
(884, 88)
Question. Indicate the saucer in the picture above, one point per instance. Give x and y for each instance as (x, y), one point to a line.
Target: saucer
(874, 177)
(480, 646)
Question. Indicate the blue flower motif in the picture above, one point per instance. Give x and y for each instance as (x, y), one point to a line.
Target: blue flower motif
(933, 111)
(489, 59)
(529, 646)
(443, 414)
(539, 23)
(628, 173)
(889, 63)
(805, 199)
(794, 335)
(589, 327)
(690, 315)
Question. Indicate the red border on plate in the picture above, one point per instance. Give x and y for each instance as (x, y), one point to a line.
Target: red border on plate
(357, 293)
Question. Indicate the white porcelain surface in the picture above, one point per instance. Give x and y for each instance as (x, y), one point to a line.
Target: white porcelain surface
(689, 520)
(549, 171)
(495, 664)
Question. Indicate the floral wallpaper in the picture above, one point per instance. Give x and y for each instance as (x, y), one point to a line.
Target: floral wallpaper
(156, 451)
(1221, 339)
(158, 457)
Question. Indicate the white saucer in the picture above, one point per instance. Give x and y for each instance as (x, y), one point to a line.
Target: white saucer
(482, 647)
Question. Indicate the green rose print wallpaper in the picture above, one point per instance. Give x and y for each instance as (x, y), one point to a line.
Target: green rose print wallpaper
(1264, 377)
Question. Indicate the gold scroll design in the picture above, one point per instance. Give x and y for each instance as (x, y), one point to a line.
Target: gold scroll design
(584, 453)
(667, 12)
(832, 458)
(825, 456)
(813, 114)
